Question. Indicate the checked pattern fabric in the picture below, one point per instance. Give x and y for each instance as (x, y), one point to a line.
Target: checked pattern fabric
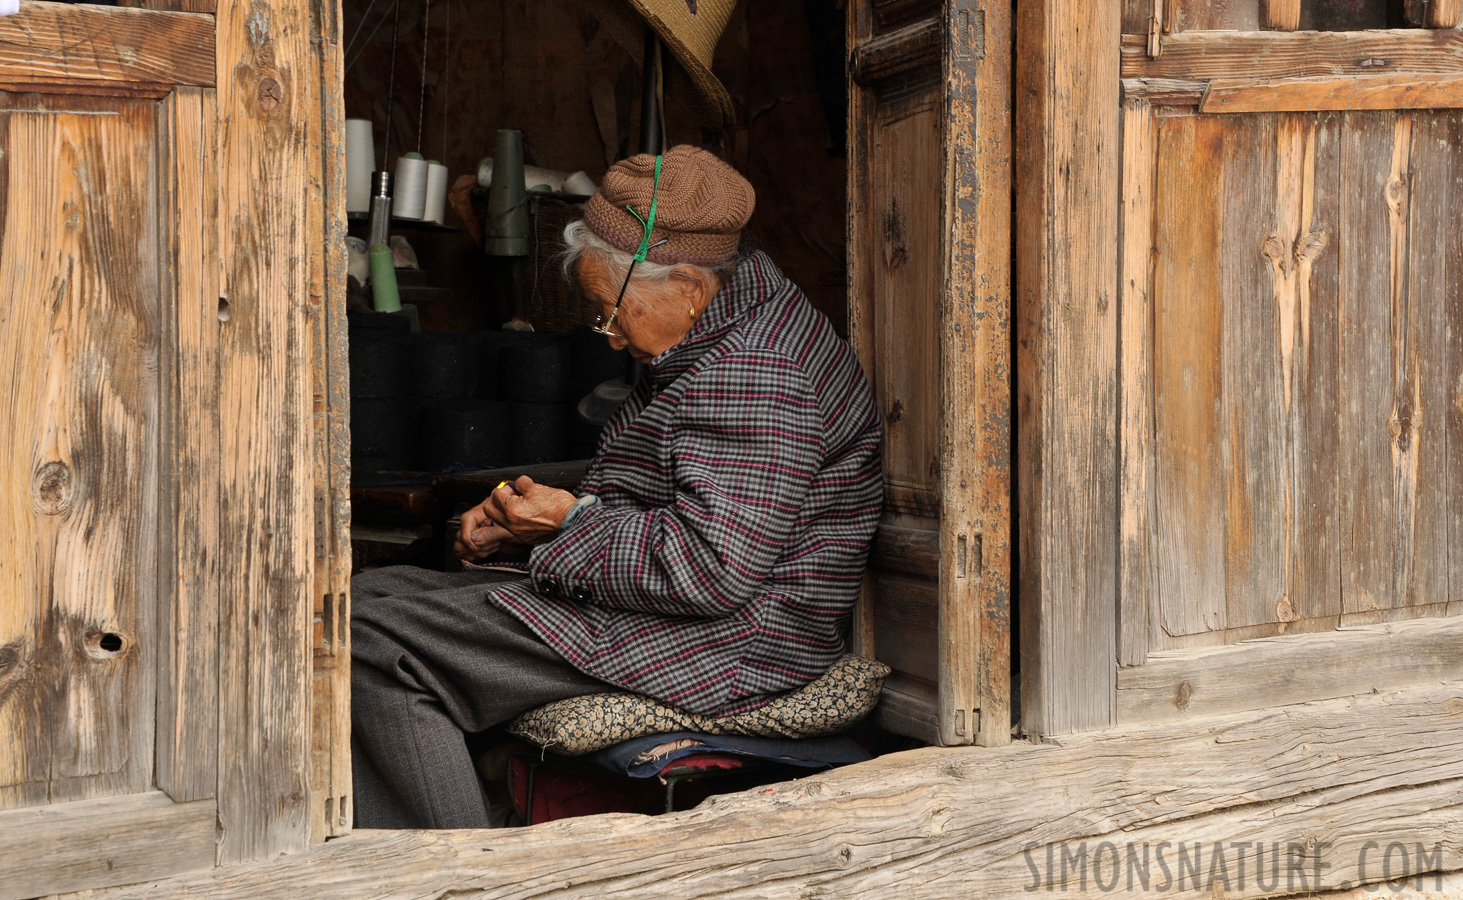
(739, 487)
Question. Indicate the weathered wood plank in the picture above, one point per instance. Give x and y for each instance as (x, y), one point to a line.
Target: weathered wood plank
(1136, 573)
(1281, 15)
(330, 778)
(78, 266)
(1299, 54)
(1312, 378)
(1282, 671)
(907, 211)
(1421, 344)
(1188, 334)
(1263, 196)
(1354, 92)
(1066, 374)
(1444, 13)
(266, 65)
(187, 747)
(1448, 244)
(65, 42)
(897, 51)
(193, 6)
(1215, 15)
(909, 707)
(906, 551)
(100, 843)
(1374, 151)
(937, 823)
(906, 621)
(975, 367)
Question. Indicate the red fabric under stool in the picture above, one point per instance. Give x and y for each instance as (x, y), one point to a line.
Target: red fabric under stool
(563, 789)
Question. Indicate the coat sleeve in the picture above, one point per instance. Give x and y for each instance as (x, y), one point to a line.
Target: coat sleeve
(745, 443)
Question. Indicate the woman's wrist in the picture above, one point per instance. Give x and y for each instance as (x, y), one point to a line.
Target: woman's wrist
(581, 506)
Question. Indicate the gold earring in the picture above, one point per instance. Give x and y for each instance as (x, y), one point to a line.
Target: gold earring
(692, 311)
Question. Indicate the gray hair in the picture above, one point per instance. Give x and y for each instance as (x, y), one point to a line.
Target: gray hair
(581, 242)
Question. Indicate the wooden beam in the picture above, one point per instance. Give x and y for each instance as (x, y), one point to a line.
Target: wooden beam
(65, 43)
(1066, 337)
(907, 551)
(1136, 572)
(55, 849)
(897, 52)
(1293, 669)
(1298, 54)
(268, 69)
(975, 370)
(330, 714)
(1355, 92)
(937, 823)
(187, 747)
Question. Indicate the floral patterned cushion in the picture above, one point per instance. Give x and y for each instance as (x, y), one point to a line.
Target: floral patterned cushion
(843, 695)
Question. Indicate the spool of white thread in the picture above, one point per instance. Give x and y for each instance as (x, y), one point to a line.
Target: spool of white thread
(436, 192)
(360, 162)
(409, 200)
(533, 176)
(579, 183)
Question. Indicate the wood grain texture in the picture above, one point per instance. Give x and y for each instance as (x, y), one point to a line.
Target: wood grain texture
(1356, 92)
(906, 615)
(1188, 334)
(78, 266)
(63, 42)
(897, 51)
(1444, 13)
(1301, 54)
(1258, 311)
(187, 747)
(937, 823)
(267, 66)
(906, 551)
(330, 772)
(1066, 340)
(1283, 671)
(1136, 574)
(975, 366)
(193, 6)
(1216, 15)
(57, 849)
(906, 215)
(1281, 15)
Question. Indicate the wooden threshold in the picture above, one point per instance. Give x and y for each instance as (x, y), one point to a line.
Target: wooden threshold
(65, 43)
(1278, 671)
(98, 843)
(969, 822)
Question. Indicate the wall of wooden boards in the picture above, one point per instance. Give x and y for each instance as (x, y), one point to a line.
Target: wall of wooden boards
(1302, 372)
(547, 67)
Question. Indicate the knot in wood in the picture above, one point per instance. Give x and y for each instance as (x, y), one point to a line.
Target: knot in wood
(271, 94)
(1183, 695)
(52, 489)
(1284, 611)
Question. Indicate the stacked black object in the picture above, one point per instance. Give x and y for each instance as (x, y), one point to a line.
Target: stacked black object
(434, 400)
(383, 405)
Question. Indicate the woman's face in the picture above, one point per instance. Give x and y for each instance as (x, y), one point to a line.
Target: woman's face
(652, 322)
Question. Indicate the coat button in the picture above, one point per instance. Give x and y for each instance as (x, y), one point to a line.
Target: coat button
(580, 594)
(549, 587)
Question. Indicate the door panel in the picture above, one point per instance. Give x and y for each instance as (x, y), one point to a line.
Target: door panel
(80, 332)
(1291, 328)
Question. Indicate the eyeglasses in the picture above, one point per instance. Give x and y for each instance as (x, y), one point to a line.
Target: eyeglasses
(603, 325)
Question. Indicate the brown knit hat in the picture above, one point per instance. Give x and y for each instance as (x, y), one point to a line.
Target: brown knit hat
(701, 208)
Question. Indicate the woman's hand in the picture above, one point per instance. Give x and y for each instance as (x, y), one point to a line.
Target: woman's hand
(529, 512)
(479, 537)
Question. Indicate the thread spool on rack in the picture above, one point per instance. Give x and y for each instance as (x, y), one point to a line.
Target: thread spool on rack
(409, 200)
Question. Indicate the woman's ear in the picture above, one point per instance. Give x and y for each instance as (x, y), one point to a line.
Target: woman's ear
(690, 284)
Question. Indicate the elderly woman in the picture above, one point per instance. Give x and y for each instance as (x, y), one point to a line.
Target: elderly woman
(714, 549)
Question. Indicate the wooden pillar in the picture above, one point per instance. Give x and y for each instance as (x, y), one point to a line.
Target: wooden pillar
(268, 73)
(1282, 15)
(1068, 147)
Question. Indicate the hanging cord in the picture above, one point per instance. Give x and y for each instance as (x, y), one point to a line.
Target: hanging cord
(360, 26)
(446, 80)
(391, 88)
(426, 44)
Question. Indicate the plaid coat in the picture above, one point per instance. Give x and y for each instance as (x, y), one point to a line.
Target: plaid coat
(739, 489)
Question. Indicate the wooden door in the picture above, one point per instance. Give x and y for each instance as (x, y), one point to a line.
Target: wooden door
(1291, 361)
(929, 314)
(160, 309)
(1238, 364)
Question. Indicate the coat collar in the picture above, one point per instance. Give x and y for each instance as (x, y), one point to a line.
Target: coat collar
(755, 281)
